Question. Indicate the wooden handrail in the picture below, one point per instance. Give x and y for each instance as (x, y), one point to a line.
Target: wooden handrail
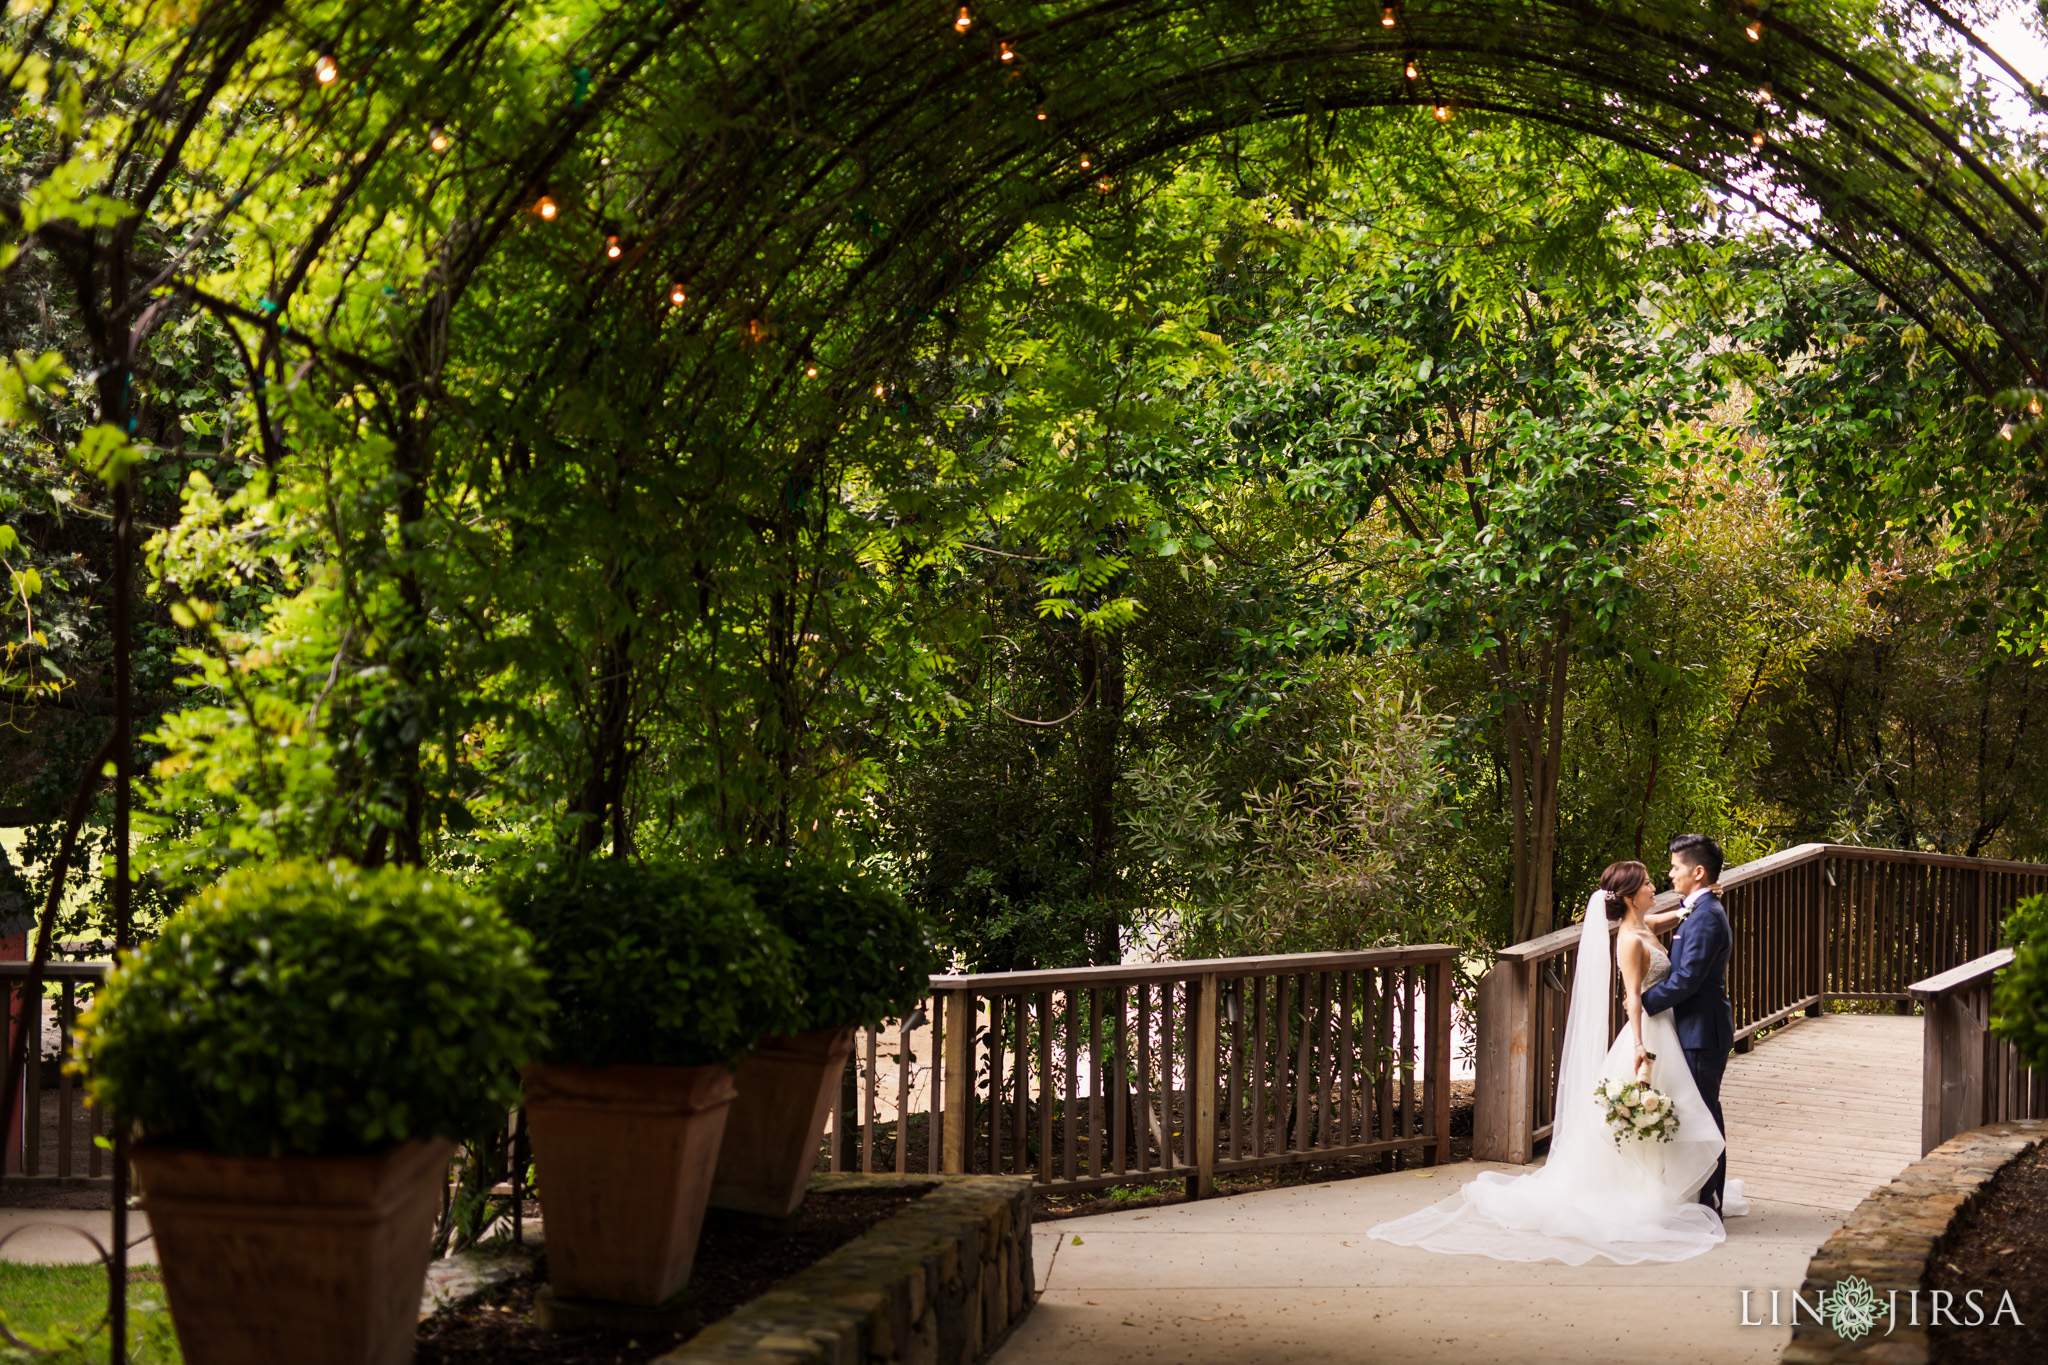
(1277, 964)
(1977, 969)
(1968, 1075)
(1087, 1077)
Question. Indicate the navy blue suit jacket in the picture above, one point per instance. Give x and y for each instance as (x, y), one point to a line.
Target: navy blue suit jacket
(1696, 992)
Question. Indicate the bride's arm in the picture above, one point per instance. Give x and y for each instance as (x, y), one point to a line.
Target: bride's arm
(1632, 957)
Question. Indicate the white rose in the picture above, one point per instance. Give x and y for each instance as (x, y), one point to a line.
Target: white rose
(1646, 1120)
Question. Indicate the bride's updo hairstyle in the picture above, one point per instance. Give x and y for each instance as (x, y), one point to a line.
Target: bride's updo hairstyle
(1621, 881)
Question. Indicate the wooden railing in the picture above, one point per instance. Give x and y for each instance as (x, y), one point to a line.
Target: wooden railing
(1969, 1076)
(1096, 1076)
(1813, 924)
(49, 1087)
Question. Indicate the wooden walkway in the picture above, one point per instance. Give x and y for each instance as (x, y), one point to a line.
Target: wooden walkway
(1819, 1114)
(1827, 1110)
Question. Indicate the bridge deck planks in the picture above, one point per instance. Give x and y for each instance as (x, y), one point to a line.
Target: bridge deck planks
(1823, 1112)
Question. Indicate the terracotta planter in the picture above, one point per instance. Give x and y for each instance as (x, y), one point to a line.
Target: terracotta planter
(302, 1258)
(624, 1157)
(787, 1087)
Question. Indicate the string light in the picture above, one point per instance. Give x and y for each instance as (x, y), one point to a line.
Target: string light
(2035, 407)
(1763, 92)
(1003, 53)
(1105, 184)
(438, 139)
(1411, 71)
(964, 22)
(878, 391)
(612, 248)
(1756, 134)
(546, 208)
(1387, 17)
(676, 295)
(811, 370)
(325, 71)
(1086, 163)
(1443, 113)
(1755, 30)
(2005, 432)
(1041, 113)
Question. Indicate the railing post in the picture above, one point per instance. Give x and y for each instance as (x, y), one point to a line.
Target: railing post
(1437, 1079)
(1202, 1085)
(1504, 1084)
(959, 1015)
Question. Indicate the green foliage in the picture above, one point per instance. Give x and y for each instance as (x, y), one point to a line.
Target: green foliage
(654, 964)
(59, 1312)
(317, 1009)
(2019, 1002)
(864, 954)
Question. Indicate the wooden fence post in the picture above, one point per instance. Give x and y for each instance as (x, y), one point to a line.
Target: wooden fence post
(1436, 1088)
(1202, 1084)
(959, 1006)
(1504, 1086)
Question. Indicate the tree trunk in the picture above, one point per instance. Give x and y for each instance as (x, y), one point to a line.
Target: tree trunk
(1102, 690)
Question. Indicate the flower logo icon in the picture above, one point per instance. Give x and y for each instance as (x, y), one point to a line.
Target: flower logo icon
(1852, 1308)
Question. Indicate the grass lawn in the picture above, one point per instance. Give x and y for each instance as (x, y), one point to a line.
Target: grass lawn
(55, 1306)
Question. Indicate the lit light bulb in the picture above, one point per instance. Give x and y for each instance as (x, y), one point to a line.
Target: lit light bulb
(1756, 134)
(878, 390)
(1443, 113)
(1763, 92)
(1755, 30)
(1086, 163)
(1105, 184)
(2035, 407)
(2005, 432)
(612, 248)
(1411, 70)
(325, 71)
(438, 139)
(811, 371)
(964, 22)
(1387, 18)
(1041, 113)
(546, 208)
(1004, 53)
(676, 295)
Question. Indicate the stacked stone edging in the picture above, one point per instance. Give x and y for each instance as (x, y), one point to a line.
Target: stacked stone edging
(937, 1283)
(1895, 1234)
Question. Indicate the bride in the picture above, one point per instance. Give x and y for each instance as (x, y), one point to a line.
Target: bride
(1630, 1201)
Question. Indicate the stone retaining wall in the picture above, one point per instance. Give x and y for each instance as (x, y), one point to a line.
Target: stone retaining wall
(938, 1283)
(1893, 1235)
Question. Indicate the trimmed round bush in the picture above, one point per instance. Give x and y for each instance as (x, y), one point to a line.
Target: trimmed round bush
(2019, 1001)
(653, 964)
(863, 954)
(317, 1009)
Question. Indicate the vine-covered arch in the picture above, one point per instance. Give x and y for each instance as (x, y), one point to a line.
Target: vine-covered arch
(621, 274)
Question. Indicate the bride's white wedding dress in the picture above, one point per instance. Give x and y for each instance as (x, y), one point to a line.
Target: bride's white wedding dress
(1629, 1202)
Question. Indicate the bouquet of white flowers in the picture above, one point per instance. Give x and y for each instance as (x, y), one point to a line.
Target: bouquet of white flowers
(1635, 1110)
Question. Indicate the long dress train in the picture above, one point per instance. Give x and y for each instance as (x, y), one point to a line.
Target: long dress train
(1630, 1201)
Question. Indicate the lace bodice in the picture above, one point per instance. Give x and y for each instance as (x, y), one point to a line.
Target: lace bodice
(1660, 965)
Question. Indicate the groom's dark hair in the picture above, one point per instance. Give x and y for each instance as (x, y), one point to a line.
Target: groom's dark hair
(1701, 852)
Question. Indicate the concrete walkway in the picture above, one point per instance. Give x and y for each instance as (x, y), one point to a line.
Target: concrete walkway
(1290, 1276)
(51, 1236)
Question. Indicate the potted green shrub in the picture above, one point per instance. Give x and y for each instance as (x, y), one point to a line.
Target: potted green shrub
(293, 1055)
(863, 955)
(660, 978)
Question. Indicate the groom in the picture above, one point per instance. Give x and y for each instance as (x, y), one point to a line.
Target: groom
(1696, 992)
